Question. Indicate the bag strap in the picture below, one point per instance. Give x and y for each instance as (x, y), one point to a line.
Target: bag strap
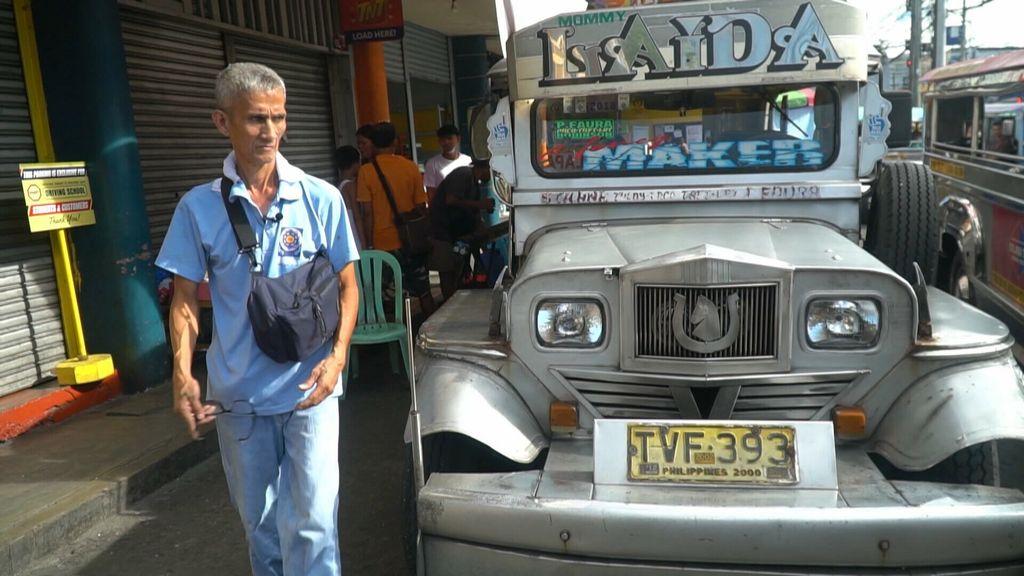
(387, 191)
(244, 236)
(320, 229)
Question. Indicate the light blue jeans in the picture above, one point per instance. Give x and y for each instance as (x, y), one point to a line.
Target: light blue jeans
(282, 473)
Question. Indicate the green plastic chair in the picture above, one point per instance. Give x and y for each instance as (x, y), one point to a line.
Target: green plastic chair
(373, 326)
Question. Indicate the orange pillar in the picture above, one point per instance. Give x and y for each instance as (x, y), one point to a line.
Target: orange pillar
(371, 83)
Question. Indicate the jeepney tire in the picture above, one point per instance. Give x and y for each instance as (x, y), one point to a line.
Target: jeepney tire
(971, 465)
(958, 283)
(903, 220)
(448, 452)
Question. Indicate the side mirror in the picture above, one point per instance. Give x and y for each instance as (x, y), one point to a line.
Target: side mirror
(899, 119)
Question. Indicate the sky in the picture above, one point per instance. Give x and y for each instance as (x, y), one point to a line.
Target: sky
(995, 24)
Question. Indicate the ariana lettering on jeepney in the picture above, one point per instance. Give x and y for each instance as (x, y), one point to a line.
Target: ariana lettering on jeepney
(621, 57)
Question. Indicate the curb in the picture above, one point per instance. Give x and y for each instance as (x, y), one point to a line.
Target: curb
(73, 515)
(28, 409)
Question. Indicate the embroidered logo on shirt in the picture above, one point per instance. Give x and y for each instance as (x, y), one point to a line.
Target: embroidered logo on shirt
(291, 241)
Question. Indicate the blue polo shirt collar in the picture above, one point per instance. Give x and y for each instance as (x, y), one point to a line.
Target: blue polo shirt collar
(288, 176)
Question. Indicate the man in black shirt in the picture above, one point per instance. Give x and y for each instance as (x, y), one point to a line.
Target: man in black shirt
(455, 214)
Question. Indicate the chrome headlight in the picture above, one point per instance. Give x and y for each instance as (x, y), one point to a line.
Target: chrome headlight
(842, 323)
(570, 324)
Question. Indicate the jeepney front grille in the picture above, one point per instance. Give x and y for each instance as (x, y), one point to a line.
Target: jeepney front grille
(782, 397)
(757, 334)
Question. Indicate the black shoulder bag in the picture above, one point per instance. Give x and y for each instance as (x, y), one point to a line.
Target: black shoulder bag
(292, 315)
(412, 226)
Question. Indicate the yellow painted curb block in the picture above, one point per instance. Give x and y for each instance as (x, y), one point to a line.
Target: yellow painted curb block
(91, 368)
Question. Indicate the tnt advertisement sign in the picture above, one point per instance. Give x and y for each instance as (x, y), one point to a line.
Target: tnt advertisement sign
(1008, 252)
(371, 20)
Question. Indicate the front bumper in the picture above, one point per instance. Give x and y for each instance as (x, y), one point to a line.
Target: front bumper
(548, 521)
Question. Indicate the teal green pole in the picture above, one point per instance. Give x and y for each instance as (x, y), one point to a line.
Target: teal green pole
(90, 107)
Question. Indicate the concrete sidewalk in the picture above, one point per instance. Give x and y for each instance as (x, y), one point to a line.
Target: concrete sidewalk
(58, 480)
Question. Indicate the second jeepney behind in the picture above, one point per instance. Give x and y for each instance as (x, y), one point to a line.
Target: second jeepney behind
(695, 365)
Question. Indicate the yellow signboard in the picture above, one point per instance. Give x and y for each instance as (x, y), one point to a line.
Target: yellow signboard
(947, 168)
(57, 195)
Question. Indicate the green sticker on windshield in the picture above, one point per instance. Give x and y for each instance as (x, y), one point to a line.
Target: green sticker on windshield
(584, 129)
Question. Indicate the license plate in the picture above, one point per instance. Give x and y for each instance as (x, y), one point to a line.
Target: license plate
(712, 454)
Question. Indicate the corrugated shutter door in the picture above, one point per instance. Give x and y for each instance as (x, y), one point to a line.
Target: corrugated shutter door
(171, 70)
(31, 340)
(309, 141)
(426, 52)
(393, 61)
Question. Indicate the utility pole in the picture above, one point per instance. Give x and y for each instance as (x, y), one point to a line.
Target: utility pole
(883, 66)
(963, 31)
(939, 36)
(915, 50)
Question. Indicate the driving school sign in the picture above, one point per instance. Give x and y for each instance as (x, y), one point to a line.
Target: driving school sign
(57, 195)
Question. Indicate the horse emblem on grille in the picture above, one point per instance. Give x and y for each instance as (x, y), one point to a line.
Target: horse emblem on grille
(699, 329)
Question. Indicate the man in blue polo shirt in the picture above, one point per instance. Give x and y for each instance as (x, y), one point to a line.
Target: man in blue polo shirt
(277, 422)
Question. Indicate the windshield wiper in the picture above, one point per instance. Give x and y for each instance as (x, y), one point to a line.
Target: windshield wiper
(781, 112)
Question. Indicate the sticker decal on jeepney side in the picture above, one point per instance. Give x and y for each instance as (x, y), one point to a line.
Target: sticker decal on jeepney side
(876, 129)
(500, 145)
(1008, 252)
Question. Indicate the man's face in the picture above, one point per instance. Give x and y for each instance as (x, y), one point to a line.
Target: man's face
(255, 124)
(448, 143)
(365, 146)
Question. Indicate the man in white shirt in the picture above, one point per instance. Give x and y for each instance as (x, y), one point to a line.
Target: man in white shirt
(450, 158)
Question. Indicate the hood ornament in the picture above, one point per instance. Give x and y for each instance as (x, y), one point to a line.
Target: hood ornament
(705, 327)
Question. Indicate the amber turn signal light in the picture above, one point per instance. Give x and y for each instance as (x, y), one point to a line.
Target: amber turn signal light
(563, 416)
(850, 421)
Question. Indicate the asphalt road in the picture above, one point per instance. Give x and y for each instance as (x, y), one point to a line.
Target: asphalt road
(189, 527)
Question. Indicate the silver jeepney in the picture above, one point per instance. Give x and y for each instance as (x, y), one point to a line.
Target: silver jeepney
(694, 365)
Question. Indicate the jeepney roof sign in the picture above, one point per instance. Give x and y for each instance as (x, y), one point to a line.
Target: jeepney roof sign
(690, 44)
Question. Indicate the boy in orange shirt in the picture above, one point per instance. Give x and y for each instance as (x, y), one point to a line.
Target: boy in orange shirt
(379, 232)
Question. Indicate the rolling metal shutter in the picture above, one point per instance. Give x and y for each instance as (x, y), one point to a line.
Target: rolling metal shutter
(393, 61)
(309, 141)
(171, 70)
(31, 339)
(426, 51)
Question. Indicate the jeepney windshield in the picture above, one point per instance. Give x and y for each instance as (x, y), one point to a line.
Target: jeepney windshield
(743, 129)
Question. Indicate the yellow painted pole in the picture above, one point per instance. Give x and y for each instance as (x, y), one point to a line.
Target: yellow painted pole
(80, 367)
(74, 338)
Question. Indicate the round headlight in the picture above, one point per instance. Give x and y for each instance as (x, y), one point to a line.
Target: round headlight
(842, 323)
(570, 324)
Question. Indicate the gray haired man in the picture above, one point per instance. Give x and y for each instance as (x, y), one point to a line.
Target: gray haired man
(277, 422)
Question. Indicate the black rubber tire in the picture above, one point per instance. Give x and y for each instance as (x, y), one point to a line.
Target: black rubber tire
(903, 221)
(451, 453)
(971, 465)
(957, 282)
